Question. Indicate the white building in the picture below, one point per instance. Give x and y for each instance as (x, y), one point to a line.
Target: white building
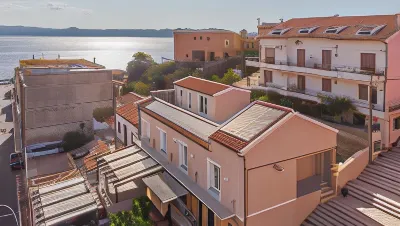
(336, 56)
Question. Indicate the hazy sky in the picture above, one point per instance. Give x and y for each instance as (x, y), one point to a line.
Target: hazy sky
(229, 14)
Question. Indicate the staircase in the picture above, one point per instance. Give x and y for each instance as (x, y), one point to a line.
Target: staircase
(326, 192)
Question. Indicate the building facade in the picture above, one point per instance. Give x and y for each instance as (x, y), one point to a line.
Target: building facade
(336, 57)
(54, 97)
(234, 161)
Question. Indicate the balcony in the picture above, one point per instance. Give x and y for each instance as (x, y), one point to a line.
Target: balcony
(328, 70)
(312, 95)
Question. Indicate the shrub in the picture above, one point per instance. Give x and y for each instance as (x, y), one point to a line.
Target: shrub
(142, 89)
(138, 216)
(255, 94)
(264, 98)
(101, 114)
(230, 77)
(337, 105)
(7, 95)
(73, 140)
(130, 87)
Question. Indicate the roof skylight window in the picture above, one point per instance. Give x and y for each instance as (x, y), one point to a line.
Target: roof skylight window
(370, 30)
(335, 29)
(307, 30)
(279, 31)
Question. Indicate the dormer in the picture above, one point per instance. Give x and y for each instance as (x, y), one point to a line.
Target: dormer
(307, 30)
(368, 30)
(279, 31)
(335, 29)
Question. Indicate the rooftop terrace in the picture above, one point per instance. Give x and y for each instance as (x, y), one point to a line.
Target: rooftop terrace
(59, 63)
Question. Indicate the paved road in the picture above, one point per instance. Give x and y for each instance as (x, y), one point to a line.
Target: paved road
(8, 192)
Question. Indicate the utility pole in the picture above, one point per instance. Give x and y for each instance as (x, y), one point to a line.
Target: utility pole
(371, 149)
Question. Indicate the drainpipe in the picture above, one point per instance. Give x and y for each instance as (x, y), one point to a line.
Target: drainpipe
(245, 190)
(384, 97)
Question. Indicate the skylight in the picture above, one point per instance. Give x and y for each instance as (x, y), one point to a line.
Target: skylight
(279, 31)
(307, 30)
(370, 30)
(335, 29)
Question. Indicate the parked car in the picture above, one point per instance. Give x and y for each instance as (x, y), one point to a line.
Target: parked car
(16, 161)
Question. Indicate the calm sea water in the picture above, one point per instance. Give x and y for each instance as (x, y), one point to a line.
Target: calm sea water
(114, 53)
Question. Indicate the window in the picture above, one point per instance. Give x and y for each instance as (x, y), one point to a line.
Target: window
(247, 45)
(370, 30)
(396, 123)
(208, 38)
(374, 95)
(270, 55)
(279, 31)
(203, 104)
(226, 43)
(335, 30)
(326, 85)
(145, 129)
(267, 76)
(163, 141)
(134, 137)
(214, 175)
(190, 100)
(362, 92)
(119, 127)
(183, 156)
(181, 97)
(307, 30)
(201, 37)
(252, 45)
(368, 62)
(194, 38)
(301, 82)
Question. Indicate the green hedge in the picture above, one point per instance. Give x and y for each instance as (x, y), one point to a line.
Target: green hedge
(138, 216)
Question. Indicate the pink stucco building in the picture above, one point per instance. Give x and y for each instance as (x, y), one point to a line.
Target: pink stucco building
(337, 56)
(218, 159)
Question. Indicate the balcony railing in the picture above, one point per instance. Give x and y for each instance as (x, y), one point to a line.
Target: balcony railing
(330, 67)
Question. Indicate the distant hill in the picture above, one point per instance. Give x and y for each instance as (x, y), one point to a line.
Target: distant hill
(76, 32)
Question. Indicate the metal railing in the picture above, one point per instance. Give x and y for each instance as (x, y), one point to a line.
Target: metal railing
(379, 71)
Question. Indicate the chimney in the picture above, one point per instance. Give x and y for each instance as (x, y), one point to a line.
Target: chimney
(94, 60)
(258, 19)
(281, 20)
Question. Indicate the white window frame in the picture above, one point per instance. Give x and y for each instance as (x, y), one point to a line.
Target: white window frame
(210, 177)
(147, 135)
(161, 139)
(181, 147)
(189, 100)
(205, 107)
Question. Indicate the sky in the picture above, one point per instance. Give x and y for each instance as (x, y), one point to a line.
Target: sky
(158, 14)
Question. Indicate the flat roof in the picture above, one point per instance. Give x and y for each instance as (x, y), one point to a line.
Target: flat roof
(48, 164)
(189, 122)
(211, 30)
(59, 63)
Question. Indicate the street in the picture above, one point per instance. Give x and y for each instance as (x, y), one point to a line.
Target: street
(8, 192)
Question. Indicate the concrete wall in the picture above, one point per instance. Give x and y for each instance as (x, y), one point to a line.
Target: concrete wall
(231, 164)
(184, 44)
(352, 167)
(58, 103)
(129, 128)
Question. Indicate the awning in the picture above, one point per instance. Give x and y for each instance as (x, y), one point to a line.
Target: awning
(165, 187)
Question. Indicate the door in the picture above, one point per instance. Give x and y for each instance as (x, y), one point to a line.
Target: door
(368, 62)
(270, 55)
(301, 58)
(212, 56)
(125, 136)
(200, 216)
(301, 82)
(327, 59)
(267, 77)
(210, 216)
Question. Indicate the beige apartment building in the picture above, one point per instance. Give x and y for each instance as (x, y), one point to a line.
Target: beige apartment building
(54, 97)
(217, 159)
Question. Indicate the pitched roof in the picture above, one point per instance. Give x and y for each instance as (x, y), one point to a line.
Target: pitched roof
(90, 161)
(249, 124)
(201, 85)
(129, 98)
(130, 113)
(373, 198)
(354, 24)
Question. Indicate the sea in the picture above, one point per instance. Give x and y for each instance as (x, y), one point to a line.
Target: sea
(112, 52)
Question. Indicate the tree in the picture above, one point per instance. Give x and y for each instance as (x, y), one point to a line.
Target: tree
(215, 78)
(130, 87)
(101, 114)
(73, 140)
(138, 216)
(138, 65)
(337, 105)
(142, 89)
(230, 77)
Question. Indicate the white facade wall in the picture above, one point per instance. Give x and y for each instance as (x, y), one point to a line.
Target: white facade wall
(129, 128)
(183, 102)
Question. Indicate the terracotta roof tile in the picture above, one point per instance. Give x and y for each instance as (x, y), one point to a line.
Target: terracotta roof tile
(129, 98)
(201, 85)
(354, 22)
(110, 121)
(90, 160)
(229, 141)
(130, 113)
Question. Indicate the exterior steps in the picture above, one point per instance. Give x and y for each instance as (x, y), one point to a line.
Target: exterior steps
(326, 192)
